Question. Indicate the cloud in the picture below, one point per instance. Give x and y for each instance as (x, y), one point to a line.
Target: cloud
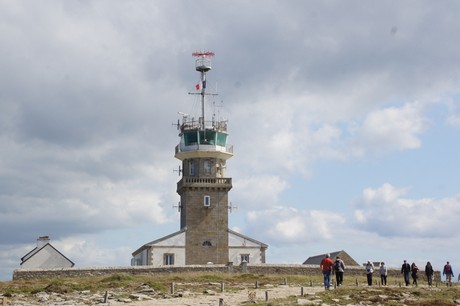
(388, 213)
(284, 225)
(454, 113)
(257, 192)
(89, 92)
(391, 128)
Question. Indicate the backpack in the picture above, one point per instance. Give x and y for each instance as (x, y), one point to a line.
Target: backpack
(337, 265)
(448, 269)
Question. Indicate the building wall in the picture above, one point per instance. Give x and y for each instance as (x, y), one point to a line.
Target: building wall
(157, 255)
(207, 237)
(46, 257)
(278, 269)
(153, 254)
(255, 255)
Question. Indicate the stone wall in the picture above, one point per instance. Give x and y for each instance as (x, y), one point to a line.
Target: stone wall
(279, 269)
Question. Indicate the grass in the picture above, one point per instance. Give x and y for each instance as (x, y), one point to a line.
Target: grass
(349, 293)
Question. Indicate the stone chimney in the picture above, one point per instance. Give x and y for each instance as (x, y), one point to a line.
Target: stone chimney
(42, 241)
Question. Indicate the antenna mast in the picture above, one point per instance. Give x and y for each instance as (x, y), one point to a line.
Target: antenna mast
(202, 65)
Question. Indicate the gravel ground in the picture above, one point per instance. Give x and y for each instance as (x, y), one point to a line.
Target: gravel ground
(229, 298)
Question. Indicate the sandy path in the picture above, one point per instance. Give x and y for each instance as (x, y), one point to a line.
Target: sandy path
(229, 298)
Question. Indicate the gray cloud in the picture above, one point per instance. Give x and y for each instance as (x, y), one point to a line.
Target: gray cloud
(89, 92)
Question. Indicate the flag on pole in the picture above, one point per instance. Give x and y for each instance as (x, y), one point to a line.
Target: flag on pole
(198, 86)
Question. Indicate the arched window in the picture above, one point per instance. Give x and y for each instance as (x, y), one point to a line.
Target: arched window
(207, 243)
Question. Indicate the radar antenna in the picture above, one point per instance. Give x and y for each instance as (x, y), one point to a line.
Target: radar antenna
(203, 65)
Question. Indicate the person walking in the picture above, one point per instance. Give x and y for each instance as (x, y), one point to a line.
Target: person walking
(449, 273)
(429, 272)
(405, 270)
(414, 273)
(339, 268)
(369, 272)
(383, 273)
(326, 266)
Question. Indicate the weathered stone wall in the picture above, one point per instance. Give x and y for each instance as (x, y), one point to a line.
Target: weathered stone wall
(279, 269)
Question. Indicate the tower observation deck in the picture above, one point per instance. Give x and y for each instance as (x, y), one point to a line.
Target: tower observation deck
(202, 137)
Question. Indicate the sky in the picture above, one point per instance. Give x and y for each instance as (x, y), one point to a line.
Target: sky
(344, 117)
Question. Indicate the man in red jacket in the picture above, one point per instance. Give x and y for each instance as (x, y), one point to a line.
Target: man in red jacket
(326, 266)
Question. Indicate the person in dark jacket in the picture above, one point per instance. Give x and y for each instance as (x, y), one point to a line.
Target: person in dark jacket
(449, 273)
(414, 273)
(339, 268)
(429, 272)
(405, 270)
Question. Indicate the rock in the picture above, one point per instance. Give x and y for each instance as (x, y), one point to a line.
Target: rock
(139, 296)
(147, 290)
(210, 292)
(303, 302)
(42, 297)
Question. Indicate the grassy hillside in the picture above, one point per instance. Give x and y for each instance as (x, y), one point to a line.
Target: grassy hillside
(353, 291)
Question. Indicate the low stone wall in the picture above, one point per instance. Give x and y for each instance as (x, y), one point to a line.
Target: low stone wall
(278, 269)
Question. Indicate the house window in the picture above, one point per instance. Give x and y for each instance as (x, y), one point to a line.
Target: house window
(168, 259)
(245, 257)
(207, 201)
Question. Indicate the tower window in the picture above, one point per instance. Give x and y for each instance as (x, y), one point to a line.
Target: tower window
(207, 167)
(245, 257)
(191, 168)
(207, 201)
(168, 259)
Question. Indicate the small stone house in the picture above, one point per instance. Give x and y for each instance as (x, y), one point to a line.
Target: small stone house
(170, 250)
(45, 256)
(347, 259)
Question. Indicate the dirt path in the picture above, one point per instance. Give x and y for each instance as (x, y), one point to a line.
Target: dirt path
(229, 298)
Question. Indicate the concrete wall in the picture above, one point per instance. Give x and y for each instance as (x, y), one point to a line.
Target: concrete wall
(279, 269)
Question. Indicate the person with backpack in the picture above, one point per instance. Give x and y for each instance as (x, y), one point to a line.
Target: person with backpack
(414, 273)
(405, 270)
(449, 273)
(339, 268)
(429, 272)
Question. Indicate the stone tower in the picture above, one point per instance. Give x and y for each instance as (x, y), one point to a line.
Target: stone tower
(204, 187)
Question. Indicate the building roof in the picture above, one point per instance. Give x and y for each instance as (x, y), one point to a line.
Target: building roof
(316, 260)
(263, 245)
(36, 250)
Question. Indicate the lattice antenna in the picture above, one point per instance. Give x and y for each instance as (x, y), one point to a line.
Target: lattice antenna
(232, 207)
(179, 170)
(178, 206)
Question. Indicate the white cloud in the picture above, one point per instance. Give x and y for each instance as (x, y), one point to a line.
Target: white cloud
(454, 113)
(283, 225)
(258, 191)
(392, 128)
(387, 212)
(88, 92)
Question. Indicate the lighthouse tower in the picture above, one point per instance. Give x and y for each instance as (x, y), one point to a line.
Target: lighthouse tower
(204, 187)
(204, 236)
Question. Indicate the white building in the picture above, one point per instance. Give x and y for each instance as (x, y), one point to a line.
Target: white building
(170, 250)
(45, 256)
